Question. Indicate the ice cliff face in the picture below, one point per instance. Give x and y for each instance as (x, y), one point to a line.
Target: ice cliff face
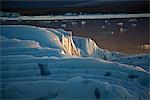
(67, 42)
(58, 39)
(88, 48)
(84, 47)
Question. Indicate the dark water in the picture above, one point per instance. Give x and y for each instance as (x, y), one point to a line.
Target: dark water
(124, 35)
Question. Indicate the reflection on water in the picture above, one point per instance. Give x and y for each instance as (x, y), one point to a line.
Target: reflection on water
(124, 35)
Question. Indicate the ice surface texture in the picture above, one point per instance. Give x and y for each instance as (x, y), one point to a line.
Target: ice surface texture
(40, 63)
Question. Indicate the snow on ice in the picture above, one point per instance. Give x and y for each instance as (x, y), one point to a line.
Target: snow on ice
(45, 63)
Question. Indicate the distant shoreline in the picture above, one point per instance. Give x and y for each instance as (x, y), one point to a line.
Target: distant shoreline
(70, 17)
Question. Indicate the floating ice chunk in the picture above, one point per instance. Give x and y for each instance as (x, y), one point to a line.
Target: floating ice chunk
(64, 25)
(103, 26)
(106, 21)
(145, 46)
(123, 30)
(74, 23)
(112, 32)
(132, 20)
(109, 23)
(83, 22)
(133, 24)
(120, 23)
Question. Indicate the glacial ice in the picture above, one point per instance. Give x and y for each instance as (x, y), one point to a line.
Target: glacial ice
(75, 67)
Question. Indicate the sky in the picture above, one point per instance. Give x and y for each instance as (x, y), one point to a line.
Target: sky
(86, 6)
(56, 3)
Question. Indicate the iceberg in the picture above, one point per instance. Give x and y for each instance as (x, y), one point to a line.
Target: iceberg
(46, 63)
